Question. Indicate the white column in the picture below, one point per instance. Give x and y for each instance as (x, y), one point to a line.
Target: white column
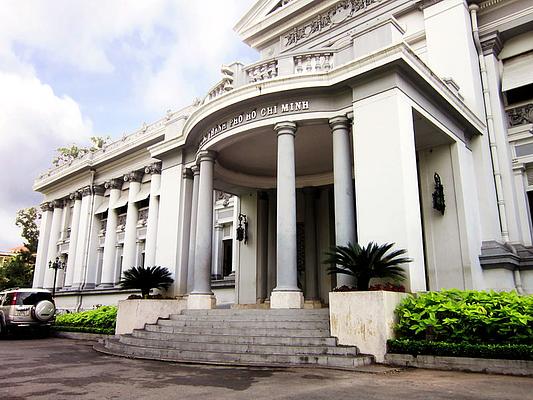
(41, 262)
(153, 215)
(184, 232)
(74, 227)
(129, 258)
(55, 232)
(388, 205)
(192, 234)
(311, 278)
(218, 253)
(83, 238)
(108, 267)
(343, 189)
(202, 297)
(90, 272)
(286, 294)
(262, 246)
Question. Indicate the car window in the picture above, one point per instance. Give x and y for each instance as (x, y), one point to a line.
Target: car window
(8, 298)
(30, 299)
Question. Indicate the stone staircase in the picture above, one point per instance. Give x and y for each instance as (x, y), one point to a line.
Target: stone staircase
(240, 337)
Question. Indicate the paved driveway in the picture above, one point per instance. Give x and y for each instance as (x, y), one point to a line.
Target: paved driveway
(69, 369)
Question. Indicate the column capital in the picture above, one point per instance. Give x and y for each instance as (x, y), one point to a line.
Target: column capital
(187, 173)
(286, 128)
(75, 195)
(133, 176)
(114, 184)
(339, 122)
(98, 190)
(492, 44)
(86, 191)
(47, 206)
(195, 170)
(58, 203)
(154, 169)
(206, 155)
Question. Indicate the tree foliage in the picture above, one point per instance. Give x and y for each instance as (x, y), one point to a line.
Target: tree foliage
(146, 279)
(30, 232)
(72, 152)
(367, 262)
(18, 271)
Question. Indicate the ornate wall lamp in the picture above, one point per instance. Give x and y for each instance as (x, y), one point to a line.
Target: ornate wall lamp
(438, 195)
(242, 231)
(55, 265)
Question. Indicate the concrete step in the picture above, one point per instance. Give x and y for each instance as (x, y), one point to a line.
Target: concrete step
(249, 325)
(298, 313)
(281, 332)
(168, 354)
(250, 317)
(237, 339)
(238, 348)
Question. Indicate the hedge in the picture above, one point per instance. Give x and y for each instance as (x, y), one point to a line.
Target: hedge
(100, 320)
(494, 351)
(456, 316)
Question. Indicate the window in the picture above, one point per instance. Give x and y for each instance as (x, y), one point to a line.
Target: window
(30, 299)
(227, 262)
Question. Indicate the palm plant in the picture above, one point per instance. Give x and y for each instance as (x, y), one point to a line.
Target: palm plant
(146, 279)
(365, 263)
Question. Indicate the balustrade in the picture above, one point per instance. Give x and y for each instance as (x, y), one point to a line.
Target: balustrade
(313, 62)
(262, 71)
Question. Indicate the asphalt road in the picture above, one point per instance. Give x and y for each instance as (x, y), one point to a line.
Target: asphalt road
(69, 369)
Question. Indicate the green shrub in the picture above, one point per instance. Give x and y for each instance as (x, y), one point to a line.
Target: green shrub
(103, 318)
(84, 329)
(467, 316)
(499, 351)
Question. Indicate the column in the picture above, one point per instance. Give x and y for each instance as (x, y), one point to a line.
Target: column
(184, 232)
(90, 246)
(201, 297)
(83, 239)
(74, 227)
(218, 253)
(129, 259)
(41, 261)
(271, 274)
(108, 267)
(55, 232)
(286, 294)
(262, 247)
(153, 214)
(343, 189)
(192, 234)
(311, 278)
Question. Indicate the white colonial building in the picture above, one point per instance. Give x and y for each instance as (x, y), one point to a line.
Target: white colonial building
(343, 131)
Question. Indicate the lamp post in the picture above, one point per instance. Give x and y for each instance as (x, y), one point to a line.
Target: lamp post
(57, 264)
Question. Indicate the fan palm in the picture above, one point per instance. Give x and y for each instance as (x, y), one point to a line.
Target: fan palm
(146, 279)
(365, 263)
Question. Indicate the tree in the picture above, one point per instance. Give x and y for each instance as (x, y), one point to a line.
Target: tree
(30, 232)
(67, 154)
(365, 263)
(18, 271)
(146, 279)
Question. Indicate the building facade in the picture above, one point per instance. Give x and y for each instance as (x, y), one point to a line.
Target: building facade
(389, 121)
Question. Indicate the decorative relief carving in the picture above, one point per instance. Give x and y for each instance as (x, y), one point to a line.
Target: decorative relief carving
(121, 220)
(134, 176)
(339, 13)
(521, 115)
(143, 216)
(224, 197)
(114, 184)
(154, 169)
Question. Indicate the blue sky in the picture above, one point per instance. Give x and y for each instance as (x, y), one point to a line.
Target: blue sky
(70, 69)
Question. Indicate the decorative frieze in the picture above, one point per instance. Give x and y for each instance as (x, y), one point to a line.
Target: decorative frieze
(143, 215)
(153, 169)
(134, 176)
(122, 220)
(520, 115)
(224, 197)
(341, 12)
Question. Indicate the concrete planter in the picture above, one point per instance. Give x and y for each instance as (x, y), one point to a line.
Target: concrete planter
(134, 314)
(364, 319)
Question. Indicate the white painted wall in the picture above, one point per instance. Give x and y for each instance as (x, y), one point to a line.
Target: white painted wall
(247, 269)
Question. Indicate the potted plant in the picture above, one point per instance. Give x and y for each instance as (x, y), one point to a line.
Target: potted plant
(361, 317)
(135, 313)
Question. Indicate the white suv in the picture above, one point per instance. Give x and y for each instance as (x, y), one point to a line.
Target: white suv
(26, 308)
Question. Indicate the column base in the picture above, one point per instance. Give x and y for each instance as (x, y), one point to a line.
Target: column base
(201, 301)
(286, 300)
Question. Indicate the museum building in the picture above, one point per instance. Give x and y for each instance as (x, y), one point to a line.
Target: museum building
(405, 121)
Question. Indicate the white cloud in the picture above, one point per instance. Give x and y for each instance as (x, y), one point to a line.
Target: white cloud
(33, 122)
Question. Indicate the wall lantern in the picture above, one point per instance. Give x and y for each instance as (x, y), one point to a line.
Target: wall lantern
(438, 195)
(242, 231)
